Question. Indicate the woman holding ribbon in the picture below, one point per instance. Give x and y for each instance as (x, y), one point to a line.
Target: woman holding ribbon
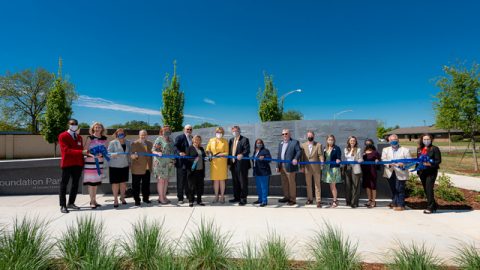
(331, 172)
(119, 165)
(369, 172)
(196, 170)
(429, 171)
(261, 171)
(218, 147)
(163, 168)
(353, 172)
(93, 169)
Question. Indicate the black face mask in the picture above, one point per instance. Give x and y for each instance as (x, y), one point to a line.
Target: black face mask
(310, 139)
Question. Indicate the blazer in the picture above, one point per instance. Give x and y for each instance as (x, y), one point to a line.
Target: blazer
(181, 145)
(243, 147)
(71, 150)
(120, 161)
(388, 154)
(434, 154)
(140, 165)
(262, 167)
(192, 152)
(334, 155)
(358, 156)
(293, 152)
(316, 155)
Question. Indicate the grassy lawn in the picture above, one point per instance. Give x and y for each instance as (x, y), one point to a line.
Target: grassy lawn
(453, 163)
(456, 144)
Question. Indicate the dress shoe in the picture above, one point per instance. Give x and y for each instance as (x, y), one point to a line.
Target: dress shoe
(309, 202)
(319, 205)
(190, 204)
(115, 205)
(138, 203)
(391, 205)
(353, 206)
(283, 200)
(291, 203)
(73, 206)
(242, 202)
(256, 202)
(181, 202)
(263, 204)
(233, 200)
(200, 203)
(64, 210)
(147, 201)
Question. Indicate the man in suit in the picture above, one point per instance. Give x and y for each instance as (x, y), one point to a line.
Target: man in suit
(288, 149)
(395, 173)
(312, 151)
(141, 167)
(181, 144)
(71, 148)
(239, 146)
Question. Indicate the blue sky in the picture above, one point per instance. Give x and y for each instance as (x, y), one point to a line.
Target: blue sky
(376, 58)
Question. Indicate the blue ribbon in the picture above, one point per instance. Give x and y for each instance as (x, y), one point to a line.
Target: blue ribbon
(99, 150)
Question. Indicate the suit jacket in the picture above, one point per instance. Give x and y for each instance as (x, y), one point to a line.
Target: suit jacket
(262, 167)
(140, 165)
(315, 155)
(358, 156)
(388, 154)
(334, 155)
(192, 152)
(181, 145)
(434, 154)
(71, 150)
(243, 147)
(293, 152)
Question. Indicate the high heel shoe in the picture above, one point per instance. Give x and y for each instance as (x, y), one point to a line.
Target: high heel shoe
(368, 203)
(222, 200)
(215, 200)
(334, 204)
(372, 205)
(124, 202)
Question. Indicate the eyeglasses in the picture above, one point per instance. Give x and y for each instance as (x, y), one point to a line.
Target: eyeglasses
(189, 129)
(284, 133)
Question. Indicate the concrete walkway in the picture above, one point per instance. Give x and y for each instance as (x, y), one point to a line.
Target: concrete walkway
(376, 230)
(465, 182)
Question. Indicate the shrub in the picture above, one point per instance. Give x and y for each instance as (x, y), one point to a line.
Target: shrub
(413, 257)
(477, 198)
(446, 191)
(468, 257)
(25, 246)
(413, 187)
(84, 246)
(208, 248)
(331, 250)
(456, 138)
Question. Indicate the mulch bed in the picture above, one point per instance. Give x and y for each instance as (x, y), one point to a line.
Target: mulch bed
(470, 202)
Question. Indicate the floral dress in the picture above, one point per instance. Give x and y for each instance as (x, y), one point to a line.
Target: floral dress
(331, 175)
(163, 168)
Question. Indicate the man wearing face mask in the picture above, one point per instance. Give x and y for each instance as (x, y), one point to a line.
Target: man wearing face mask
(288, 149)
(181, 144)
(312, 151)
(71, 148)
(395, 173)
(239, 146)
(141, 167)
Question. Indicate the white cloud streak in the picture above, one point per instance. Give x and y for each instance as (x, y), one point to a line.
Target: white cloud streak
(209, 101)
(100, 103)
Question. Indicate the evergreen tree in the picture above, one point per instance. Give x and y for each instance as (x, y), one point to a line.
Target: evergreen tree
(269, 107)
(173, 102)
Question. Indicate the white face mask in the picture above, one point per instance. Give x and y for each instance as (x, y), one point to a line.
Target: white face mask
(218, 135)
(427, 142)
(73, 127)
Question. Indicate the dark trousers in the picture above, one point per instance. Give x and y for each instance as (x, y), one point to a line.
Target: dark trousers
(398, 190)
(182, 184)
(144, 180)
(428, 178)
(75, 172)
(352, 186)
(195, 185)
(240, 180)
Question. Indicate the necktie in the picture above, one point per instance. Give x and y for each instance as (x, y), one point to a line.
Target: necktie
(75, 136)
(234, 150)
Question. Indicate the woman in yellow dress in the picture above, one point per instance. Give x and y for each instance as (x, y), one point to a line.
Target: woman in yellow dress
(218, 146)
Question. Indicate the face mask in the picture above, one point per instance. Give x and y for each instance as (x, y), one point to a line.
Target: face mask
(235, 133)
(394, 143)
(218, 135)
(427, 142)
(73, 127)
(310, 139)
(167, 133)
(259, 145)
(121, 136)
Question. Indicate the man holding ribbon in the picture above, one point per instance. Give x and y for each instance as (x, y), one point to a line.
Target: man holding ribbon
(396, 173)
(288, 150)
(141, 167)
(239, 147)
(182, 143)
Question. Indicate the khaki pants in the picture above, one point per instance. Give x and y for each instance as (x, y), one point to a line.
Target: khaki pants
(289, 185)
(318, 187)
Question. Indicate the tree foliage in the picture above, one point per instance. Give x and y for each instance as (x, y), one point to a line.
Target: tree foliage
(269, 107)
(136, 125)
(292, 115)
(173, 102)
(457, 104)
(204, 125)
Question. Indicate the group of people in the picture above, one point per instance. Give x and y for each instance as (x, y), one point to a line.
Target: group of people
(185, 157)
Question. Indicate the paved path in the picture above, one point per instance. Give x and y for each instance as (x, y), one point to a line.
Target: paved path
(375, 230)
(465, 182)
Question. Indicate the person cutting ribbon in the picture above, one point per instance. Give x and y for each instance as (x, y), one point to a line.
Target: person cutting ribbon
(427, 170)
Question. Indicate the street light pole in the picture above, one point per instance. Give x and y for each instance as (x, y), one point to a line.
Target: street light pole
(282, 98)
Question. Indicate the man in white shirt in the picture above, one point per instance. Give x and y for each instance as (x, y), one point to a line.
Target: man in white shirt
(396, 173)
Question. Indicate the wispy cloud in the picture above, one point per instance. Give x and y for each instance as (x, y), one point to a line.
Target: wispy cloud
(101, 103)
(209, 101)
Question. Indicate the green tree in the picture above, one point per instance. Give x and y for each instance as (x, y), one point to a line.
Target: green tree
(57, 113)
(269, 107)
(205, 125)
(458, 102)
(173, 102)
(382, 130)
(23, 97)
(83, 125)
(292, 115)
(135, 125)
